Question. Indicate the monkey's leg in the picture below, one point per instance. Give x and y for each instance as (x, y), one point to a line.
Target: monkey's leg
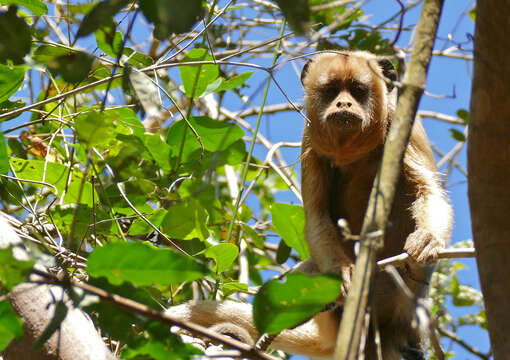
(315, 338)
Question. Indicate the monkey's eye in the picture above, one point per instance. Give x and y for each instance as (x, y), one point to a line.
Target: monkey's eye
(359, 91)
(330, 92)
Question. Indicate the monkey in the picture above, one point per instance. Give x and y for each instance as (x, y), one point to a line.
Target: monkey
(350, 100)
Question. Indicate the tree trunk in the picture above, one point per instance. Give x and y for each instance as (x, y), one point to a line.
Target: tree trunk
(489, 165)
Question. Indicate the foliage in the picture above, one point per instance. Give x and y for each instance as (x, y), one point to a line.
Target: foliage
(131, 152)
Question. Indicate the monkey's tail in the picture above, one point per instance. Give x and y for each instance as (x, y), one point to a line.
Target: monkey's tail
(315, 338)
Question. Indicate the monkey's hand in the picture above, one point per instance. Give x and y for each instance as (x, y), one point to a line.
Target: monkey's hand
(423, 246)
(345, 272)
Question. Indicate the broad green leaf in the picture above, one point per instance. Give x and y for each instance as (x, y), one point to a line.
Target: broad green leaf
(11, 79)
(457, 135)
(73, 67)
(171, 16)
(36, 7)
(283, 252)
(224, 254)
(55, 174)
(197, 77)
(140, 227)
(472, 13)
(234, 81)
(94, 128)
(12, 271)
(186, 220)
(159, 150)
(289, 223)
(127, 119)
(83, 217)
(44, 53)
(114, 320)
(59, 315)
(11, 326)
(4, 161)
(215, 136)
(142, 264)
(231, 287)
(282, 305)
(463, 114)
(16, 38)
(99, 16)
(297, 13)
(161, 345)
(109, 40)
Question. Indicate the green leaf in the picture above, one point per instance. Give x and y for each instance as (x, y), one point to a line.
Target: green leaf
(160, 346)
(171, 16)
(16, 38)
(73, 67)
(283, 252)
(100, 15)
(186, 220)
(44, 53)
(224, 254)
(234, 81)
(282, 305)
(4, 161)
(12, 271)
(457, 135)
(289, 223)
(142, 264)
(197, 77)
(109, 40)
(56, 320)
(231, 287)
(472, 13)
(297, 13)
(11, 79)
(55, 174)
(159, 150)
(11, 326)
(463, 114)
(36, 7)
(140, 227)
(115, 321)
(94, 128)
(215, 136)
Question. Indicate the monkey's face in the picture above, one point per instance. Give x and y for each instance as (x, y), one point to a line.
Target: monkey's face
(347, 101)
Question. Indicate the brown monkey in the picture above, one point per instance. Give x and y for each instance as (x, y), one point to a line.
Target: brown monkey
(350, 105)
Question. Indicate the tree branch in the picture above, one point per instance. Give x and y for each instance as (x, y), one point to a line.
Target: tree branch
(381, 197)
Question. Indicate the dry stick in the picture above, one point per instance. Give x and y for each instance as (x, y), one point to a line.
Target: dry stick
(135, 307)
(383, 191)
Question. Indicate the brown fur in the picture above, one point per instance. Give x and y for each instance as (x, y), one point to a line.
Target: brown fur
(350, 108)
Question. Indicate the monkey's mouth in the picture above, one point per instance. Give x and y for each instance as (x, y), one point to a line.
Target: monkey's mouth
(345, 119)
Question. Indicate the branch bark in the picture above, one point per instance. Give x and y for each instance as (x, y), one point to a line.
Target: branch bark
(488, 164)
(76, 338)
(381, 197)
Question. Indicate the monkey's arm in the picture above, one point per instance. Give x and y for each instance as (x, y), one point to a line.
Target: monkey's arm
(322, 236)
(431, 210)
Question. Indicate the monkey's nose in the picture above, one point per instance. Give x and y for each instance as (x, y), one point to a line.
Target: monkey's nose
(342, 104)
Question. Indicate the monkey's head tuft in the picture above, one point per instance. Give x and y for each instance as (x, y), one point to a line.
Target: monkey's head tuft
(349, 102)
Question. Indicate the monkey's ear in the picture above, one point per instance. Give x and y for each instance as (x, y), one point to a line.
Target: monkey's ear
(305, 70)
(388, 71)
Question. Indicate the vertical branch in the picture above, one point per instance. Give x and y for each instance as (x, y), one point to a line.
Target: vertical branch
(383, 191)
(488, 163)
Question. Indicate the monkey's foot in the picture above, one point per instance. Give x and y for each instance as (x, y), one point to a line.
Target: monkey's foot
(423, 247)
